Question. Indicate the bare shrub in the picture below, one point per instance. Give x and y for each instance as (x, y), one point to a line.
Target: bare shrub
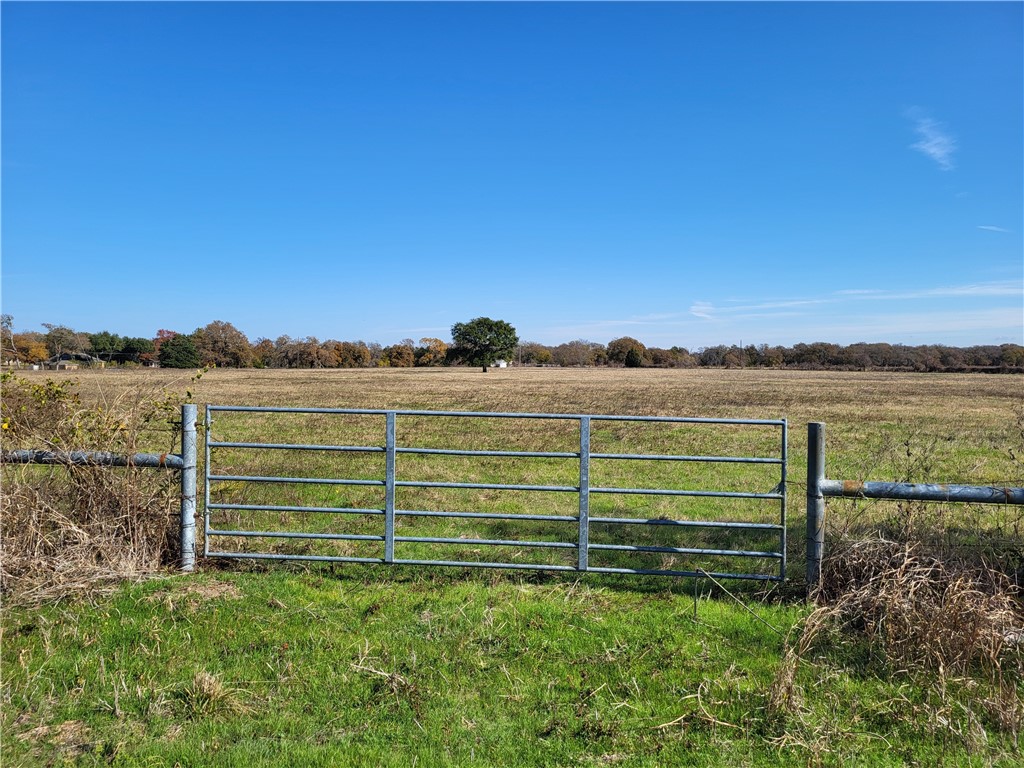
(68, 527)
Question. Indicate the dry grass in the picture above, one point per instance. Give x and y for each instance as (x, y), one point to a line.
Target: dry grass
(840, 397)
(67, 528)
(861, 409)
(920, 611)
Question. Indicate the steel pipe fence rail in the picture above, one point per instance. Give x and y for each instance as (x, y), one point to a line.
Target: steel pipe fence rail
(93, 459)
(184, 463)
(582, 521)
(819, 488)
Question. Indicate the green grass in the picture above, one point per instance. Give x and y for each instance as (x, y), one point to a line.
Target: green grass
(358, 666)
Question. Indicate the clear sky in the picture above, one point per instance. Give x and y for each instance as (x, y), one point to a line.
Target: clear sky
(685, 173)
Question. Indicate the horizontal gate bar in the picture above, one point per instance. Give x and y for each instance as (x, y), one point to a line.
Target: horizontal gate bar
(684, 550)
(487, 515)
(287, 508)
(297, 535)
(687, 523)
(494, 415)
(505, 566)
(511, 454)
(689, 574)
(665, 492)
(492, 486)
(482, 564)
(666, 457)
(314, 558)
(300, 447)
(488, 486)
(494, 542)
(501, 516)
(308, 480)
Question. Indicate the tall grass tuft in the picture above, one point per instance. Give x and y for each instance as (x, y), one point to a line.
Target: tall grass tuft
(920, 611)
(65, 528)
(206, 695)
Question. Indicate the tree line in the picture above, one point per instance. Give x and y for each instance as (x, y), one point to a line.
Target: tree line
(221, 344)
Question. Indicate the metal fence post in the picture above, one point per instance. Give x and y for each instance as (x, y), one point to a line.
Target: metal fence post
(815, 502)
(583, 539)
(389, 489)
(783, 533)
(208, 438)
(189, 414)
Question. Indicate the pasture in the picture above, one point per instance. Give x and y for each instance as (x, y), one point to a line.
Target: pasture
(368, 665)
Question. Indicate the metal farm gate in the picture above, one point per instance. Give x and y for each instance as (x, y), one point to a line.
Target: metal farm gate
(559, 492)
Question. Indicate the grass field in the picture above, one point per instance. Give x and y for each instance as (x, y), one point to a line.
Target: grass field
(361, 665)
(863, 411)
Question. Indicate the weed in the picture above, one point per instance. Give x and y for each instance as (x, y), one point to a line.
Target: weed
(207, 695)
(68, 528)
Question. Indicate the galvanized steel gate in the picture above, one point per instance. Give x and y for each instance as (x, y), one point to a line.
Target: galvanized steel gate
(341, 485)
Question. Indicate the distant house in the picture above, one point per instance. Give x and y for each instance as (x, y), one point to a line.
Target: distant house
(501, 363)
(72, 361)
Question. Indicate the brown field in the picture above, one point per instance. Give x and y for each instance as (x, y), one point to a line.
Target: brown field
(882, 426)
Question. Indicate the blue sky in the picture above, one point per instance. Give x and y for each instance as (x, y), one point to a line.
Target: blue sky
(685, 173)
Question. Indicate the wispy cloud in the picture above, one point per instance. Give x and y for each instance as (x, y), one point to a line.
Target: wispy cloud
(780, 308)
(934, 142)
(990, 228)
(939, 326)
(708, 311)
(999, 288)
(703, 309)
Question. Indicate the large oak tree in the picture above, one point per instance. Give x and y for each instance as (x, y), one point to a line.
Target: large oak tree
(482, 340)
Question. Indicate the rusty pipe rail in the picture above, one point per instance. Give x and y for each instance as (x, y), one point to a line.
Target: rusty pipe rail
(975, 494)
(818, 488)
(185, 463)
(93, 459)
